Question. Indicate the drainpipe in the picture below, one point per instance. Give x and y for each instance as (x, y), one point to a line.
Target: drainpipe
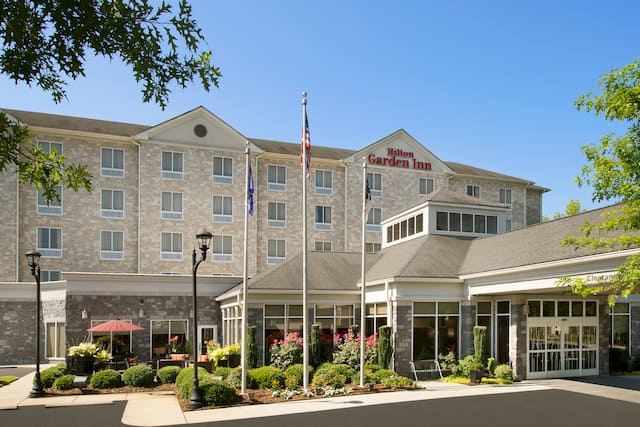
(139, 214)
(17, 228)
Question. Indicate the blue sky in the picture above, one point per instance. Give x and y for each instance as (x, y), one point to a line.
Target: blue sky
(489, 84)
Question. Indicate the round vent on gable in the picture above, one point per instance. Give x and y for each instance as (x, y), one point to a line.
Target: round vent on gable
(200, 131)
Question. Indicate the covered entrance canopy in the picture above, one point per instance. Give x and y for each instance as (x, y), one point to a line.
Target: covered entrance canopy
(115, 325)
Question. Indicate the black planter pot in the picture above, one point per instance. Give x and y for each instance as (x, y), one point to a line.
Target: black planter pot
(475, 376)
(81, 366)
(233, 360)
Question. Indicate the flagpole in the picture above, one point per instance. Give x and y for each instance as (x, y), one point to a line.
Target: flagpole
(305, 329)
(244, 275)
(363, 331)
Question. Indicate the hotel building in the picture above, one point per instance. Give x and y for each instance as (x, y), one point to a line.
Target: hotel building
(448, 246)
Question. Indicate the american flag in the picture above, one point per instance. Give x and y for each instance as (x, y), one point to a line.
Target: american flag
(367, 200)
(306, 146)
(250, 195)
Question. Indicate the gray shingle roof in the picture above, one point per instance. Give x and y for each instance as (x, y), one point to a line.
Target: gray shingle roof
(293, 149)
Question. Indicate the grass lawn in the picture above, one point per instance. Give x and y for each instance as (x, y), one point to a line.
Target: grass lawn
(7, 380)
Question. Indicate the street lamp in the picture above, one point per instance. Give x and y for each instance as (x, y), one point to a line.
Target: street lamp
(204, 238)
(33, 257)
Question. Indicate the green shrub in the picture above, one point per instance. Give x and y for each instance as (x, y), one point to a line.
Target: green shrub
(315, 347)
(64, 382)
(395, 382)
(49, 375)
(185, 384)
(491, 365)
(348, 350)
(223, 371)
(252, 348)
(479, 339)
(332, 375)
(372, 367)
(449, 363)
(138, 376)
(267, 377)
(168, 374)
(465, 366)
(186, 375)
(107, 378)
(291, 382)
(385, 350)
(504, 373)
(286, 352)
(369, 377)
(215, 392)
(297, 371)
(382, 374)
(234, 378)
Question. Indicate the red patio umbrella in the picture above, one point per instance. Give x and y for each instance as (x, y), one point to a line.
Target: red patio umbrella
(115, 325)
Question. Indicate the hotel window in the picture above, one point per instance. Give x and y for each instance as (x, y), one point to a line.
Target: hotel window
(334, 320)
(112, 204)
(373, 219)
(276, 178)
(480, 223)
(484, 317)
(50, 242)
(507, 225)
(221, 248)
(276, 215)
(376, 316)
(322, 246)
(112, 162)
(50, 147)
(372, 248)
(324, 184)
(473, 190)
(50, 275)
(222, 170)
(425, 186)
(172, 167)
(223, 209)
(171, 246)
(323, 218)
(232, 324)
(435, 329)
(503, 320)
(162, 330)
(279, 321)
(505, 196)
(275, 251)
(111, 245)
(171, 206)
(405, 228)
(375, 183)
(56, 340)
(620, 316)
(53, 207)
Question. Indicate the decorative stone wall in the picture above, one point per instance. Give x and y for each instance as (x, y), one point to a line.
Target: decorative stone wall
(467, 322)
(17, 339)
(402, 336)
(255, 317)
(635, 331)
(518, 341)
(604, 329)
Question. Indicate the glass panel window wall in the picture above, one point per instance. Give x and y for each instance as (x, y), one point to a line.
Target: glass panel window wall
(436, 328)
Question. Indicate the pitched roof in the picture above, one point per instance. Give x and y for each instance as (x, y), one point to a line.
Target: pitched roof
(292, 149)
(55, 121)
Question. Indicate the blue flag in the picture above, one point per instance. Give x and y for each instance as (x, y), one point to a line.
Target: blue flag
(250, 195)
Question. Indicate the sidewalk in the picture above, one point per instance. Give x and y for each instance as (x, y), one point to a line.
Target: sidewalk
(162, 408)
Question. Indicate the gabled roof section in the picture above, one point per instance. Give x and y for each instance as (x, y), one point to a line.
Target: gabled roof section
(472, 171)
(78, 124)
(183, 129)
(400, 139)
(292, 149)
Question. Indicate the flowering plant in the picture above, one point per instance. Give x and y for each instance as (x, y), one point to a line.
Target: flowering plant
(212, 346)
(103, 356)
(224, 353)
(348, 349)
(172, 344)
(83, 349)
(286, 352)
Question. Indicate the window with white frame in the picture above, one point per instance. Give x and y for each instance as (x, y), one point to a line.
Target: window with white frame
(373, 219)
(232, 325)
(171, 206)
(375, 316)
(53, 207)
(222, 170)
(50, 242)
(484, 317)
(276, 178)
(172, 167)
(112, 161)
(372, 247)
(276, 215)
(56, 340)
(322, 246)
(505, 196)
(435, 329)
(112, 204)
(222, 209)
(334, 319)
(275, 251)
(50, 275)
(111, 245)
(323, 218)
(425, 186)
(473, 190)
(620, 317)
(279, 321)
(162, 331)
(50, 147)
(375, 183)
(405, 228)
(467, 223)
(324, 182)
(222, 247)
(171, 246)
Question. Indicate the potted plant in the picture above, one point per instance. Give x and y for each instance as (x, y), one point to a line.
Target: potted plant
(475, 371)
(175, 349)
(81, 357)
(229, 356)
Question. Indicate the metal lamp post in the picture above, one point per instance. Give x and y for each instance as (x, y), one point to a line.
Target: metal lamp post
(204, 238)
(34, 257)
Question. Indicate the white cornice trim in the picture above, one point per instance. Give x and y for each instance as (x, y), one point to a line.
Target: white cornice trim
(425, 280)
(80, 134)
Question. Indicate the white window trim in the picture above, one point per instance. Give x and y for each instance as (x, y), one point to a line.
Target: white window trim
(277, 223)
(112, 172)
(111, 255)
(323, 226)
(221, 179)
(375, 192)
(48, 209)
(427, 180)
(374, 228)
(171, 256)
(48, 150)
(276, 186)
(48, 252)
(275, 260)
(222, 218)
(173, 175)
(323, 243)
(222, 257)
(112, 213)
(172, 215)
(506, 191)
(323, 190)
(466, 191)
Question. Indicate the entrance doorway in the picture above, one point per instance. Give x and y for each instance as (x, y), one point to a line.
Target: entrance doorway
(206, 333)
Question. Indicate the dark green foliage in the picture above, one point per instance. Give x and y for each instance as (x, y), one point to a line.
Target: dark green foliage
(395, 382)
(385, 350)
(315, 350)
(64, 382)
(185, 384)
(234, 378)
(252, 348)
(107, 378)
(138, 376)
(186, 375)
(223, 371)
(479, 338)
(168, 374)
(267, 377)
(216, 393)
(491, 365)
(49, 375)
(354, 330)
(504, 372)
(382, 374)
(332, 375)
(297, 371)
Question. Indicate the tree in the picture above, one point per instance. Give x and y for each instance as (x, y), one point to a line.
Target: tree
(45, 42)
(573, 208)
(613, 170)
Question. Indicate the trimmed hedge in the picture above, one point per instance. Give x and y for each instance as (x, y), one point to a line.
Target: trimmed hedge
(333, 375)
(382, 374)
(267, 377)
(222, 371)
(138, 376)
(216, 393)
(168, 374)
(504, 373)
(64, 382)
(107, 378)
(49, 375)
(186, 375)
(297, 371)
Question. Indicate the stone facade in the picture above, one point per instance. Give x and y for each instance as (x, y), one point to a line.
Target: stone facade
(16, 346)
(402, 324)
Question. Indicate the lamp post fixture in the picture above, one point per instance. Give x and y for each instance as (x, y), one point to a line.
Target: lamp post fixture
(204, 238)
(33, 258)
